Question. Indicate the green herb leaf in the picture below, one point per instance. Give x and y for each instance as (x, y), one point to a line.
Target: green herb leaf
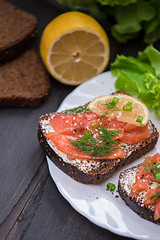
(140, 76)
(158, 177)
(97, 146)
(87, 134)
(158, 164)
(115, 101)
(156, 196)
(116, 2)
(128, 107)
(139, 119)
(110, 107)
(139, 15)
(111, 186)
(149, 166)
(81, 109)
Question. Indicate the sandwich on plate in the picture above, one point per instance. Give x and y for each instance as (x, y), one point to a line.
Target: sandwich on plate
(90, 142)
(139, 187)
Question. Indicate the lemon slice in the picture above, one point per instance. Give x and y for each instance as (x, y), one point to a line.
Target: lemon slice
(123, 107)
(74, 48)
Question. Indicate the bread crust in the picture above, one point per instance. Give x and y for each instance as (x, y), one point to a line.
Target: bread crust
(11, 52)
(18, 31)
(24, 82)
(105, 168)
(136, 203)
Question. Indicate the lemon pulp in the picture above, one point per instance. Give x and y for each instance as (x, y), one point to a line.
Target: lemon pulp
(138, 109)
(74, 48)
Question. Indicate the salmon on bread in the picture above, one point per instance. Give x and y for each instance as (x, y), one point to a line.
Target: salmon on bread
(139, 187)
(60, 133)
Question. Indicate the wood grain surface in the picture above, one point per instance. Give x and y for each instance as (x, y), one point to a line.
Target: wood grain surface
(30, 205)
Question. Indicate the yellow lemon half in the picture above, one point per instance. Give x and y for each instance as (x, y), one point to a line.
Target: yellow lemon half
(74, 48)
(123, 107)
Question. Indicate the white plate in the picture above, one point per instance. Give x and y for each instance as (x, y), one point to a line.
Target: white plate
(94, 201)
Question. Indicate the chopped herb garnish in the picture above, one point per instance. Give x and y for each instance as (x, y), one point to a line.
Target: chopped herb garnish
(152, 170)
(158, 164)
(139, 119)
(115, 100)
(111, 186)
(129, 103)
(156, 196)
(158, 177)
(149, 166)
(110, 107)
(81, 109)
(99, 144)
(87, 134)
(128, 107)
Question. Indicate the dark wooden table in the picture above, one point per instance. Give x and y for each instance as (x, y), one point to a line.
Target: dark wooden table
(31, 207)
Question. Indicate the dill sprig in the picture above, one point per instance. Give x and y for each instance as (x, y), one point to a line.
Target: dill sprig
(101, 144)
(156, 196)
(81, 109)
(149, 166)
(110, 107)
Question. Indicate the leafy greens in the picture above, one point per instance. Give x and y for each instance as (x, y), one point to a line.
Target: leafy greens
(131, 16)
(140, 76)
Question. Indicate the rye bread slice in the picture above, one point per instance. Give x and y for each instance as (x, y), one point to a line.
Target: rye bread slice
(23, 81)
(126, 179)
(91, 172)
(18, 30)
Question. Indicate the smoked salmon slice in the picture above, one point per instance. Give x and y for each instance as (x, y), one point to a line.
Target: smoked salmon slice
(157, 211)
(63, 144)
(145, 180)
(69, 126)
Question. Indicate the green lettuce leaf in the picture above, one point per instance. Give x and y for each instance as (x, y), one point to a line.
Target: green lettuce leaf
(129, 17)
(151, 55)
(116, 2)
(140, 76)
(152, 33)
(131, 22)
(132, 17)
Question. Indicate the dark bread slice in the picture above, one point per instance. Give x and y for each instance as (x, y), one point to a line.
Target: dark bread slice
(92, 172)
(18, 30)
(23, 81)
(136, 203)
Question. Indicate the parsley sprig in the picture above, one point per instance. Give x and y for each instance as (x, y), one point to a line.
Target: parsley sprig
(97, 144)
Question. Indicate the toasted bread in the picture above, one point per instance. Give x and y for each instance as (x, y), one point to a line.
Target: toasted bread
(136, 203)
(92, 171)
(18, 30)
(23, 81)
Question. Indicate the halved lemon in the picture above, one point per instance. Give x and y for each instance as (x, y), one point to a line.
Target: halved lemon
(123, 107)
(74, 48)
